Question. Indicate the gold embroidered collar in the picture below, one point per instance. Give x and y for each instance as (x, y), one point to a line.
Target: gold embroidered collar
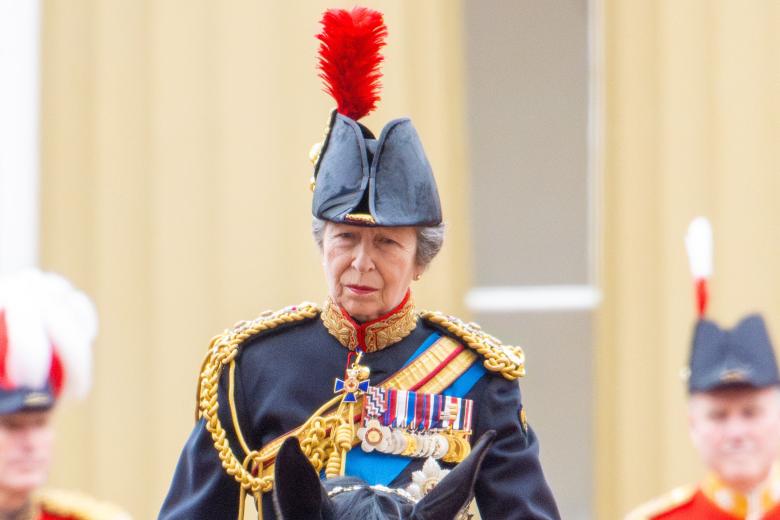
(373, 335)
(754, 505)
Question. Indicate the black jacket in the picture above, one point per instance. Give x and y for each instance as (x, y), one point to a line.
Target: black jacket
(284, 375)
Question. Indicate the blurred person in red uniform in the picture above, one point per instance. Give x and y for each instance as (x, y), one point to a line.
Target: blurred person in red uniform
(46, 333)
(733, 415)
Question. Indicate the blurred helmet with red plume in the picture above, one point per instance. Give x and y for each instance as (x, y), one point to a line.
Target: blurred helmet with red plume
(46, 332)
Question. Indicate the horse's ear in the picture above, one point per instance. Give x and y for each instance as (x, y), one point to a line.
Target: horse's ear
(298, 493)
(455, 490)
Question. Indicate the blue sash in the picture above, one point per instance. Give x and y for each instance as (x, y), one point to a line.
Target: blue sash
(383, 468)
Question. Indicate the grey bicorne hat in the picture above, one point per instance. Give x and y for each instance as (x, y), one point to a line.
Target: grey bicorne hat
(732, 357)
(362, 180)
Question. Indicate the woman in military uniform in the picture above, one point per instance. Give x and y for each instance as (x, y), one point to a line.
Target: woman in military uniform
(46, 332)
(371, 386)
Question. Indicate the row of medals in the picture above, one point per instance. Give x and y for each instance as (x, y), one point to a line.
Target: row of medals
(447, 445)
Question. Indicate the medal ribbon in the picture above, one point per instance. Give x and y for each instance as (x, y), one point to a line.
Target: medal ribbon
(415, 411)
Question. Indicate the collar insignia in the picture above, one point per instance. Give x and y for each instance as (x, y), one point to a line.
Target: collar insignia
(754, 505)
(373, 335)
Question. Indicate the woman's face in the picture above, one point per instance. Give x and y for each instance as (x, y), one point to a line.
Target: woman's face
(369, 269)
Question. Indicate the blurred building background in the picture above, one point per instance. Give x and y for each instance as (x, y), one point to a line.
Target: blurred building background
(572, 141)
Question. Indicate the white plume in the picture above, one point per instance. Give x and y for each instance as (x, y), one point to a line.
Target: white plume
(45, 312)
(698, 242)
(28, 357)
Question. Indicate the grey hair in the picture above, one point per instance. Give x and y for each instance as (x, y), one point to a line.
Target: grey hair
(429, 240)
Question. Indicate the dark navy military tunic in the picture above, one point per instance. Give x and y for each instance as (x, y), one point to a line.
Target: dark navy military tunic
(284, 375)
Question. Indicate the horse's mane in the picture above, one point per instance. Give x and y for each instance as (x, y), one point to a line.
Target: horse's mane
(365, 503)
(299, 492)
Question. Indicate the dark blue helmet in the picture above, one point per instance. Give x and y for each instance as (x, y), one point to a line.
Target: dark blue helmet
(739, 356)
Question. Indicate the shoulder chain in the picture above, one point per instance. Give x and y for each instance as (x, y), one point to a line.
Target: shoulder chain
(507, 360)
(222, 352)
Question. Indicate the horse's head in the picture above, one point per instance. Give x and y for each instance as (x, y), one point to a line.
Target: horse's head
(299, 494)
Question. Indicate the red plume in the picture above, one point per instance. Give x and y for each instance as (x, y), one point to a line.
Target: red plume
(349, 60)
(702, 296)
(56, 373)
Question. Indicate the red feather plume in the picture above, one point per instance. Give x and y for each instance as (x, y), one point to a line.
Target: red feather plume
(349, 60)
(56, 373)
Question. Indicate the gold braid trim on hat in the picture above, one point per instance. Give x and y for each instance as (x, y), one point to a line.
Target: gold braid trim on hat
(507, 360)
(222, 352)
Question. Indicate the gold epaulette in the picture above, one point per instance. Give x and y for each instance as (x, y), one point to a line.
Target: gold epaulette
(507, 360)
(73, 504)
(222, 352)
(224, 346)
(663, 504)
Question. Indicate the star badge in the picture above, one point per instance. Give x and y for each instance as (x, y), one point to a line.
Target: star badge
(427, 479)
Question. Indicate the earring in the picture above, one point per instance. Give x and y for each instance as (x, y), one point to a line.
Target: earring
(417, 277)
